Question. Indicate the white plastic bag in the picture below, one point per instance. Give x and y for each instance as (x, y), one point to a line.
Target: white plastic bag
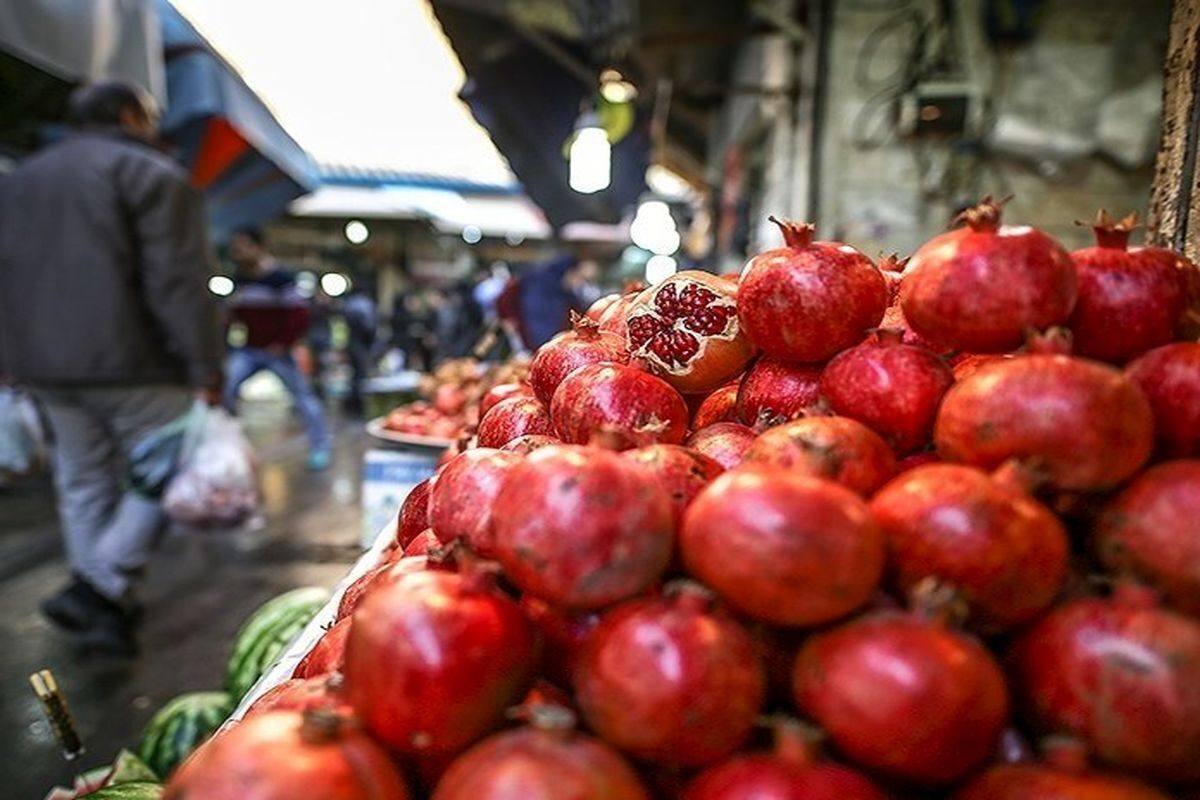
(22, 441)
(217, 481)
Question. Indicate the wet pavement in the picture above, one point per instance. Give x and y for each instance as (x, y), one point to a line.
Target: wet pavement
(199, 588)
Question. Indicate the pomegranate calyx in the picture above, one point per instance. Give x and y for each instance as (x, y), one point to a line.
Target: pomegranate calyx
(1112, 233)
(1066, 753)
(795, 234)
(320, 725)
(548, 717)
(652, 425)
(939, 602)
(983, 217)
(584, 327)
(795, 742)
(690, 594)
(892, 262)
(888, 336)
(1055, 341)
(609, 437)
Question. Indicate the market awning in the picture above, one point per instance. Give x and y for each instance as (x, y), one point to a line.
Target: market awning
(248, 166)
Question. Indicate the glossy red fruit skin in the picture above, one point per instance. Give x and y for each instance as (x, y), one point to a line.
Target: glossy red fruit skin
(636, 407)
(809, 300)
(502, 391)
(774, 391)
(508, 419)
(1003, 551)
(903, 697)
(1120, 674)
(434, 659)
(1148, 531)
(698, 687)
(532, 764)
(1082, 423)
(357, 590)
(683, 472)
(271, 757)
(964, 365)
(582, 527)
(584, 344)
(612, 319)
(834, 448)
(301, 694)
(328, 654)
(423, 545)
(530, 442)
(892, 388)
(1130, 300)
(723, 442)
(783, 548)
(1037, 782)
(980, 287)
(414, 513)
(1170, 378)
(462, 500)
(916, 460)
(720, 406)
(563, 634)
(698, 308)
(766, 777)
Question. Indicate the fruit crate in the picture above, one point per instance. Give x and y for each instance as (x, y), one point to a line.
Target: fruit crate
(282, 669)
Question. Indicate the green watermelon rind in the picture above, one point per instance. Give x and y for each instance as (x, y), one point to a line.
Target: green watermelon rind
(267, 633)
(129, 791)
(180, 726)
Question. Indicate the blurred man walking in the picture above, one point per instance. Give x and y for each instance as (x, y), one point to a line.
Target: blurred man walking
(104, 311)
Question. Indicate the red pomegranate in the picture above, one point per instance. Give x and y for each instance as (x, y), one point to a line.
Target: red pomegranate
(723, 442)
(835, 448)
(414, 513)
(719, 406)
(462, 500)
(612, 319)
(618, 399)
(435, 658)
(508, 419)
(1064, 776)
(524, 445)
(774, 391)
(1005, 553)
(686, 328)
(1120, 674)
(596, 310)
(302, 694)
(1130, 300)
(582, 527)
(502, 391)
(1081, 423)
(892, 388)
(791, 772)
(563, 633)
(1170, 377)
(423, 545)
(568, 351)
(671, 679)
(904, 697)
(807, 301)
(1148, 531)
(327, 654)
(783, 548)
(547, 760)
(282, 755)
(357, 590)
(980, 287)
(683, 472)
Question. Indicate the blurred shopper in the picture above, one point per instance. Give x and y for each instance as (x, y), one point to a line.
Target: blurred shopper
(362, 323)
(459, 322)
(104, 311)
(266, 302)
(550, 292)
(320, 340)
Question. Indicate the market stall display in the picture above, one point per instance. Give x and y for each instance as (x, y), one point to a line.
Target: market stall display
(968, 583)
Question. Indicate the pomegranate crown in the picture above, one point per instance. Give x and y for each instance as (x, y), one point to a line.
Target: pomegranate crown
(584, 325)
(892, 262)
(982, 217)
(795, 234)
(1110, 232)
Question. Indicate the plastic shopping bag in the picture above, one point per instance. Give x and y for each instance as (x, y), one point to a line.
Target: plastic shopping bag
(216, 484)
(154, 459)
(22, 440)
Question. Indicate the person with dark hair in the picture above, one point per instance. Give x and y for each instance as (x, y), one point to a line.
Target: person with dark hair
(275, 315)
(105, 313)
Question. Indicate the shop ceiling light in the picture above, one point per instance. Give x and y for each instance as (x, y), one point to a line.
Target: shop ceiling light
(220, 285)
(357, 231)
(659, 268)
(334, 284)
(615, 89)
(590, 156)
(653, 228)
(472, 234)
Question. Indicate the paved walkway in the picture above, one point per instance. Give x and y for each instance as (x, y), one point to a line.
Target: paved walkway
(198, 591)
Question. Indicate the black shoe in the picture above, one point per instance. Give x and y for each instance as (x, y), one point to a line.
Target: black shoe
(74, 607)
(111, 632)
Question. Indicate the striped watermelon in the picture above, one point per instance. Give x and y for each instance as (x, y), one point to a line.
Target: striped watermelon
(267, 633)
(129, 791)
(180, 727)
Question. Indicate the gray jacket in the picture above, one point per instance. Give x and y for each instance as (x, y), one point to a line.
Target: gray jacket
(104, 263)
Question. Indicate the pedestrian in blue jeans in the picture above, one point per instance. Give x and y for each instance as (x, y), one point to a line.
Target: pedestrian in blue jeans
(275, 315)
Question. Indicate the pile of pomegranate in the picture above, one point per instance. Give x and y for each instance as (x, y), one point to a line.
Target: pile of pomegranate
(747, 544)
(456, 395)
